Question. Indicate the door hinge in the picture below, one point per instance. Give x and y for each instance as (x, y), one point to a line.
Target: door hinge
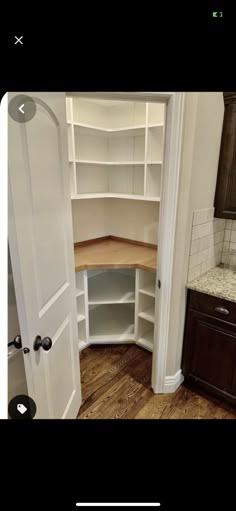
(159, 284)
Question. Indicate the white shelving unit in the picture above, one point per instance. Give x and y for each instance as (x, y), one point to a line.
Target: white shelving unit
(116, 306)
(115, 149)
(145, 308)
(82, 308)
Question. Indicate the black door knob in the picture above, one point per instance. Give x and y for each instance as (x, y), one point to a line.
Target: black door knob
(17, 342)
(45, 343)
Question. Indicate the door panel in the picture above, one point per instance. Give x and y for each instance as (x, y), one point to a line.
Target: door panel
(56, 375)
(41, 245)
(46, 176)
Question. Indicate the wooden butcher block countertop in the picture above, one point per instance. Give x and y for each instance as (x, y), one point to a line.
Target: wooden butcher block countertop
(111, 252)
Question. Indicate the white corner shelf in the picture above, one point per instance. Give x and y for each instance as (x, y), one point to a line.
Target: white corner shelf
(79, 292)
(148, 314)
(111, 287)
(146, 341)
(105, 162)
(158, 125)
(111, 323)
(132, 129)
(106, 136)
(154, 162)
(114, 196)
(83, 345)
(148, 289)
(87, 129)
(80, 318)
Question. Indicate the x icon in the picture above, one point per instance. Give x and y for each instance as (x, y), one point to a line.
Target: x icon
(18, 39)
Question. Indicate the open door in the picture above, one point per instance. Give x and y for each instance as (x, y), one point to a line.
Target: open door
(41, 247)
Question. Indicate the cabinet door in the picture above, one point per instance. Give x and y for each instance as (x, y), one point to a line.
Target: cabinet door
(225, 197)
(210, 351)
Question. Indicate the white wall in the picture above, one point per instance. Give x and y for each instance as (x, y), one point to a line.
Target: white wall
(135, 220)
(89, 219)
(203, 121)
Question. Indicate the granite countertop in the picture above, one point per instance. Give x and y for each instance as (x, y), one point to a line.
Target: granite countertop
(218, 281)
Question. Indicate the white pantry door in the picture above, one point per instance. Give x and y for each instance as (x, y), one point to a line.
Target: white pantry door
(41, 246)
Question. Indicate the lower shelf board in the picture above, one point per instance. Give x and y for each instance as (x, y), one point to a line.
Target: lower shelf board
(148, 290)
(146, 342)
(119, 339)
(148, 314)
(79, 292)
(83, 345)
(80, 317)
(111, 322)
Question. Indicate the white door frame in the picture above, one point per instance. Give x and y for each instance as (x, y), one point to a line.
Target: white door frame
(167, 218)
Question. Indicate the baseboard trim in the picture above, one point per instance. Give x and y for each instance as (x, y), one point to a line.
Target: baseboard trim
(172, 383)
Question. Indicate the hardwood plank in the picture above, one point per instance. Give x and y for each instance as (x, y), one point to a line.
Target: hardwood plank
(110, 253)
(116, 384)
(104, 372)
(117, 399)
(111, 375)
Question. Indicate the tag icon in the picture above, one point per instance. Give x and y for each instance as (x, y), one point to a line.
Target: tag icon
(21, 408)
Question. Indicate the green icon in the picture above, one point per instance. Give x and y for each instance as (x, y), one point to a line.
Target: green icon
(217, 14)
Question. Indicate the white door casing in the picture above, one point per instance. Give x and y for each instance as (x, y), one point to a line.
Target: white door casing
(41, 246)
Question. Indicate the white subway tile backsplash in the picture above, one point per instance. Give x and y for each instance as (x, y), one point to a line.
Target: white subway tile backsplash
(194, 260)
(227, 235)
(205, 242)
(233, 260)
(225, 247)
(219, 236)
(208, 240)
(194, 247)
(204, 255)
(210, 213)
(232, 246)
(205, 229)
(218, 224)
(233, 236)
(229, 224)
(202, 216)
(195, 233)
(194, 273)
(233, 225)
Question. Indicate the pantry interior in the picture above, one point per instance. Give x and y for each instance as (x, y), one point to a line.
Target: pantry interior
(115, 162)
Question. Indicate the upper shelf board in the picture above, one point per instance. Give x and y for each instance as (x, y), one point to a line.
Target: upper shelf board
(132, 130)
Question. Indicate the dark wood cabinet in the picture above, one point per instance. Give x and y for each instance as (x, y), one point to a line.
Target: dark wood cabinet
(209, 353)
(225, 196)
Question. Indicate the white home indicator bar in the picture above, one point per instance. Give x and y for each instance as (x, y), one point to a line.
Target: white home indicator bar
(117, 504)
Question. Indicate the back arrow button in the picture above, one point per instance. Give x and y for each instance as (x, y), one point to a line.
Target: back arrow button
(22, 108)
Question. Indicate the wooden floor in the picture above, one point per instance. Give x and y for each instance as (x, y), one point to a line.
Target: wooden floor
(116, 384)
